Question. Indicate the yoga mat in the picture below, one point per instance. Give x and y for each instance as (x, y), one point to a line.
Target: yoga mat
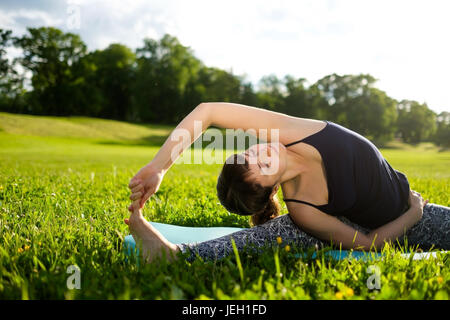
(180, 234)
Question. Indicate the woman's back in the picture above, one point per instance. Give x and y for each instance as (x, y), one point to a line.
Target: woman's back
(362, 185)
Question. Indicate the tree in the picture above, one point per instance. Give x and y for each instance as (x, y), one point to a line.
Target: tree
(49, 54)
(442, 134)
(271, 93)
(164, 70)
(11, 83)
(162, 81)
(247, 94)
(372, 114)
(113, 77)
(219, 85)
(297, 103)
(352, 101)
(5, 39)
(318, 102)
(416, 122)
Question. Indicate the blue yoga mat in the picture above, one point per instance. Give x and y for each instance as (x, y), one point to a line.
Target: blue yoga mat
(180, 234)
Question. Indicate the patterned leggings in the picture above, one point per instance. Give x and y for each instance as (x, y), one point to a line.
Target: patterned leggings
(432, 229)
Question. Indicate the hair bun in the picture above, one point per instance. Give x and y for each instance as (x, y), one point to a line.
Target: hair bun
(271, 211)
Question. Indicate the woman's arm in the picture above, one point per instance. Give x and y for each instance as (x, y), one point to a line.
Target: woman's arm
(258, 121)
(146, 182)
(398, 227)
(220, 114)
(228, 116)
(172, 147)
(394, 229)
(329, 228)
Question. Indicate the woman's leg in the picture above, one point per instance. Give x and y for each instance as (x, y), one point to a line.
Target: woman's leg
(258, 236)
(150, 241)
(432, 229)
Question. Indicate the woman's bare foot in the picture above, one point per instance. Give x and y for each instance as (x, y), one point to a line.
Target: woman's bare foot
(150, 241)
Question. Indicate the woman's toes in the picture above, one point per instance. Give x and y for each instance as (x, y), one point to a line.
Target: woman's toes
(136, 195)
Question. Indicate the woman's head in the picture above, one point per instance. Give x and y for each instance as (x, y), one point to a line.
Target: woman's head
(248, 182)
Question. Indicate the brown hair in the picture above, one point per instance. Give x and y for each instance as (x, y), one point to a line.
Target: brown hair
(240, 195)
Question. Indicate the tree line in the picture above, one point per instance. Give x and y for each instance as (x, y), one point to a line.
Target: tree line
(162, 81)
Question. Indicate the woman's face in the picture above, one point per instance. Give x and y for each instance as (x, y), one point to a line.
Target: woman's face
(266, 162)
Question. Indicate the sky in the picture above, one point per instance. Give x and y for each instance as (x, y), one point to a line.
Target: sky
(403, 44)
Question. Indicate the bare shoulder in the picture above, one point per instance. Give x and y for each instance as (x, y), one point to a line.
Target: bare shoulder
(239, 116)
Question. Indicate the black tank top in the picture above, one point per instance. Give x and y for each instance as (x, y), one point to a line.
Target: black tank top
(362, 186)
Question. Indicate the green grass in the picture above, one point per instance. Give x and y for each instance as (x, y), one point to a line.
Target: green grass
(64, 194)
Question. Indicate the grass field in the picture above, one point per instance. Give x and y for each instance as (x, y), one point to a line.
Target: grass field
(64, 195)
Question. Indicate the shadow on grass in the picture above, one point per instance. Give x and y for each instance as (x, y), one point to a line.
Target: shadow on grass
(157, 140)
(149, 141)
(400, 145)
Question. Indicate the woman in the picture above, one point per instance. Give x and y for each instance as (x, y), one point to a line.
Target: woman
(337, 187)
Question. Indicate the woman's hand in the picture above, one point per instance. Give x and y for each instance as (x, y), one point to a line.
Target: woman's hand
(416, 201)
(144, 184)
